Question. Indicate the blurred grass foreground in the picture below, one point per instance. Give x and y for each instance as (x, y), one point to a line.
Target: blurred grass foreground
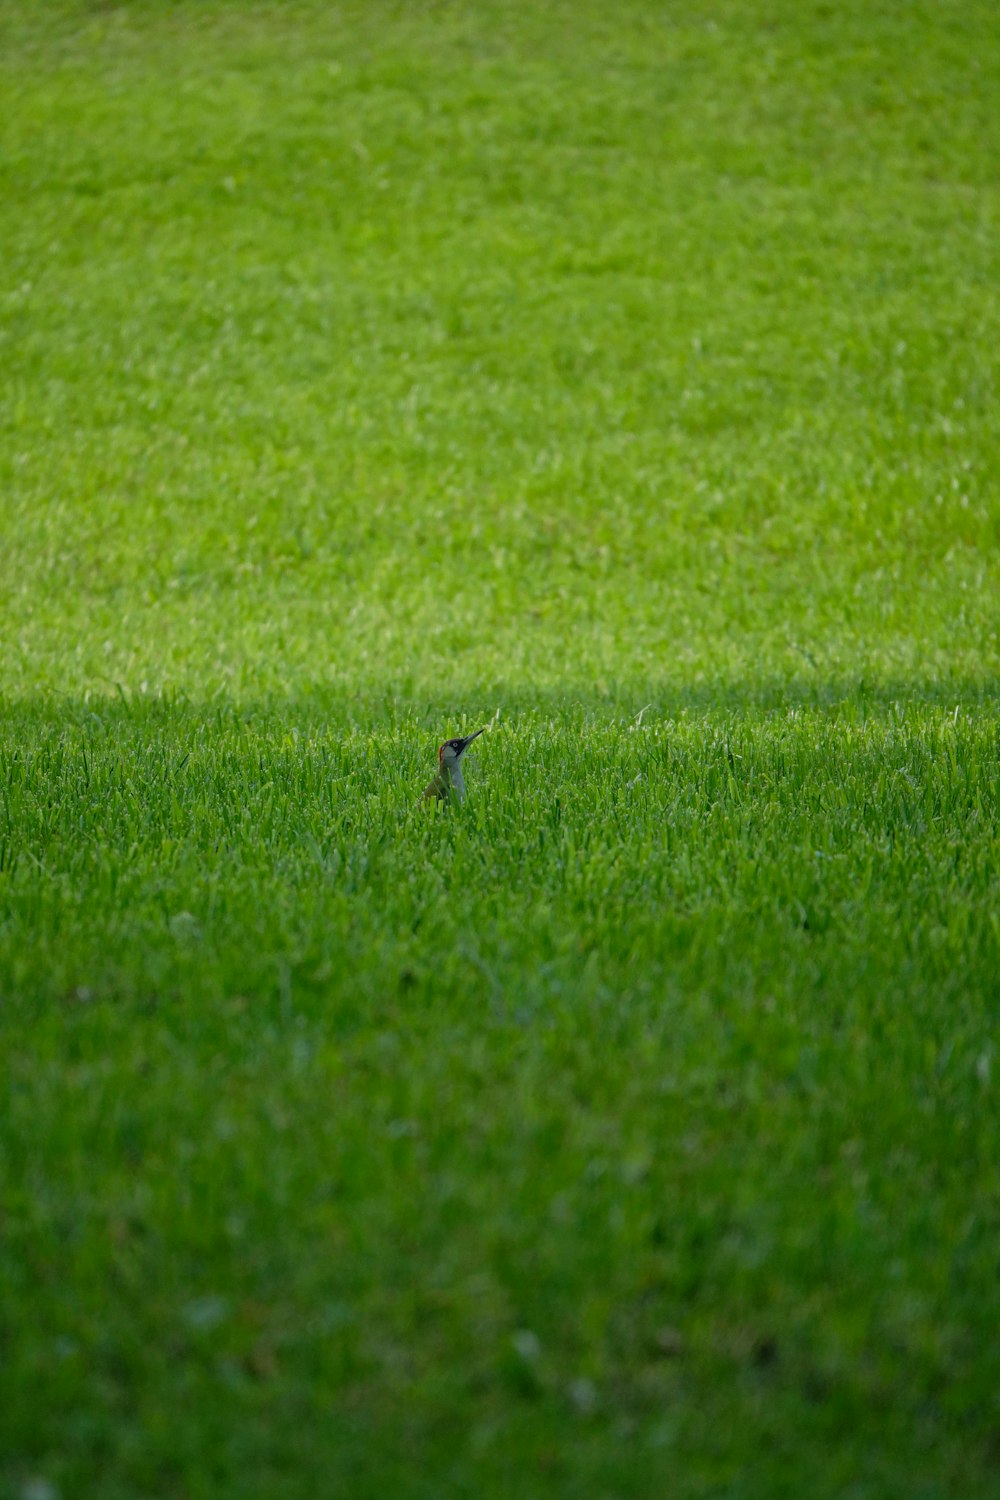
(624, 380)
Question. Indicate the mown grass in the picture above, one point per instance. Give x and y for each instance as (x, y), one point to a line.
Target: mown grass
(625, 381)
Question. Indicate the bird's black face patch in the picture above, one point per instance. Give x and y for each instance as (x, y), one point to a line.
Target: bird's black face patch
(459, 744)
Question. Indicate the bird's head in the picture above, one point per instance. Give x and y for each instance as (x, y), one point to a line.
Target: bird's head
(452, 750)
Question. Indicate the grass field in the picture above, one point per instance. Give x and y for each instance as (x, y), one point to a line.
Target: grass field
(625, 379)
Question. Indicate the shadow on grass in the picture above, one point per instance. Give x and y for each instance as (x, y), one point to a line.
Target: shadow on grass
(369, 706)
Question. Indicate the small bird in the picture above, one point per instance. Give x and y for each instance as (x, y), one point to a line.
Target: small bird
(449, 781)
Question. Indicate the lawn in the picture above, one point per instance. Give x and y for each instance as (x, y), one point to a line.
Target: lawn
(624, 379)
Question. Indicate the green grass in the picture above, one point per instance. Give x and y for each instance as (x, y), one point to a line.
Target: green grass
(626, 380)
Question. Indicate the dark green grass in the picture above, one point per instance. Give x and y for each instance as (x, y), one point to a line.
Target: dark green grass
(634, 1125)
(627, 381)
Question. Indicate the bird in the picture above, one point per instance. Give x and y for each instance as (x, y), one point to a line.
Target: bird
(449, 784)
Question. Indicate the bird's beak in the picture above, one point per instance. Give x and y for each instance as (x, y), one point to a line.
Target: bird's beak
(470, 737)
